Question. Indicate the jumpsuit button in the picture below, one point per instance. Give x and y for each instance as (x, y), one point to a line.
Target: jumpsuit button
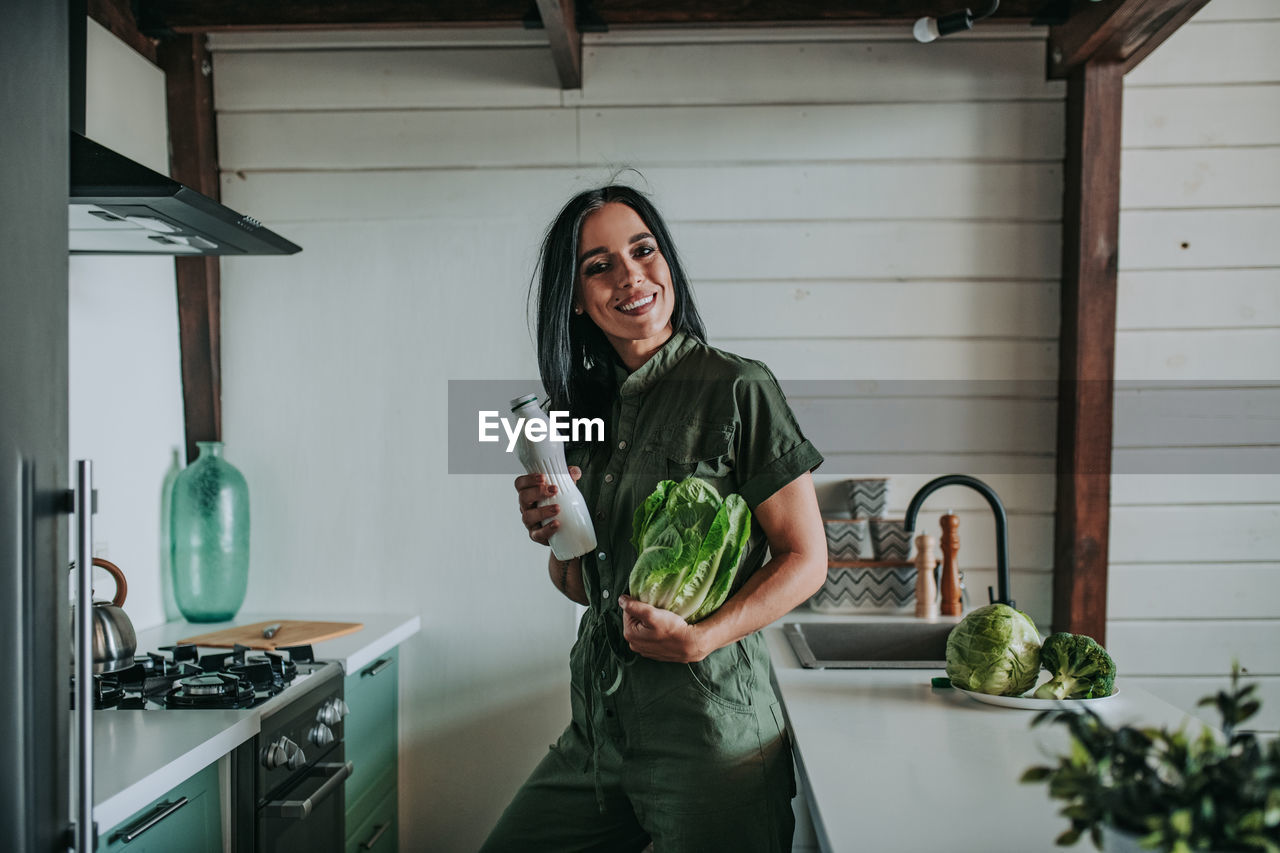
(608, 478)
(600, 556)
(600, 514)
(605, 595)
(622, 445)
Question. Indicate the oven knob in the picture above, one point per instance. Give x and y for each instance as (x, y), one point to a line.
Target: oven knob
(297, 758)
(274, 756)
(320, 735)
(341, 708)
(328, 714)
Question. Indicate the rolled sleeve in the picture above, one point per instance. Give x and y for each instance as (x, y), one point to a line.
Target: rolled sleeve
(771, 449)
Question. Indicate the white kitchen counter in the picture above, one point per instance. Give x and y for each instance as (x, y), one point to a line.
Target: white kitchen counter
(894, 764)
(139, 755)
(381, 633)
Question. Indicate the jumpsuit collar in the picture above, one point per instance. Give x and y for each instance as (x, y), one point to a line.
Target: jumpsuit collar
(659, 364)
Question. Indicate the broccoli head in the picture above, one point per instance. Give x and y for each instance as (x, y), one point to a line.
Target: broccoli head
(1081, 668)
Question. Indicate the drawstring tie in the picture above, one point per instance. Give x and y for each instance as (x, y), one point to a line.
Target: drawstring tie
(607, 656)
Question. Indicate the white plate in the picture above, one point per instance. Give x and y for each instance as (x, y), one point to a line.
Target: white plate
(1027, 703)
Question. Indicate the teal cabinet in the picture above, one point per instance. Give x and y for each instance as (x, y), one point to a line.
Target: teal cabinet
(371, 736)
(378, 832)
(187, 818)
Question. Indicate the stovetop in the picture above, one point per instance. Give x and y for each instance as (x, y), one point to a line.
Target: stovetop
(182, 678)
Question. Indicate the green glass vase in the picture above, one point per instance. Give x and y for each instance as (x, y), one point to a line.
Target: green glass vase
(209, 537)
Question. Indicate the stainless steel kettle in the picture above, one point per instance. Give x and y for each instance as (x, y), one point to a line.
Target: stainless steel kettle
(114, 640)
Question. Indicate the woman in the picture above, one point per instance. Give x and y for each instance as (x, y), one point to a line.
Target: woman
(676, 734)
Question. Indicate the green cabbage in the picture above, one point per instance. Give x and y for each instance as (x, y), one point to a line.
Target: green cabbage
(689, 544)
(995, 649)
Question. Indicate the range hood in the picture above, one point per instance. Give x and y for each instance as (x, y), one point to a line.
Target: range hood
(120, 207)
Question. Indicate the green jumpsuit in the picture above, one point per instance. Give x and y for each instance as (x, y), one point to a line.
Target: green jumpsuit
(693, 756)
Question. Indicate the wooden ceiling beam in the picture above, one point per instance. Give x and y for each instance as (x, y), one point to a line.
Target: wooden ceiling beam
(158, 17)
(1120, 31)
(558, 18)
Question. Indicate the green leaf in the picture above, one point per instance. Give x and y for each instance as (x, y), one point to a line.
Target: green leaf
(726, 561)
(1036, 774)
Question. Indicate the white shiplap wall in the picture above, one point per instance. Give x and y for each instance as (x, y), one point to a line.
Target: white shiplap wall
(125, 393)
(850, 206)
(1195, 557)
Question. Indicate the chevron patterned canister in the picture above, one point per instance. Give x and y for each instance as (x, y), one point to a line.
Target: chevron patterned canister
(868, 497)
(846, 537)
(859, 589)
(889, 539)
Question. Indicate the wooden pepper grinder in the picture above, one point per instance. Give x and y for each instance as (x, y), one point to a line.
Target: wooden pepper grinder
(950, 587)
(926, 591)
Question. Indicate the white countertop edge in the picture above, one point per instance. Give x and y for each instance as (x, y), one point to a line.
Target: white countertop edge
(370, 651)
(815, 817)
(119, 807)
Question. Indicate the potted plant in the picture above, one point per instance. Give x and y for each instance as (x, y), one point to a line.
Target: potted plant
(1142, 788)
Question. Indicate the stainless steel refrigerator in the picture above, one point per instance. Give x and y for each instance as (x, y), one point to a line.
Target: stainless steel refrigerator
(35, 477)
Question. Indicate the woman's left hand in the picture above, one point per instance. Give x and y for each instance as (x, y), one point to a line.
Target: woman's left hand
(659, 634)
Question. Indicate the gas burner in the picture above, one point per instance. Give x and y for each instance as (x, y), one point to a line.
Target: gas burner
(210, 690)
(266, 671)
(177, 657)
(154, 675)
(107, 692)
(179, 677)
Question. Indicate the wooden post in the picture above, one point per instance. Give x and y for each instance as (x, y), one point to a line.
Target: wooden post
(1090, 239)
(194, 162)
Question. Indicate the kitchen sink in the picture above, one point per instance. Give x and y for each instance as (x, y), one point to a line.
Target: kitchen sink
(869, 645)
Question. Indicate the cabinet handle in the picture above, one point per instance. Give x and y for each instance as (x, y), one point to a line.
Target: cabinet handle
(163, 810)
(376, 668)
(377, 833)
(300, 809)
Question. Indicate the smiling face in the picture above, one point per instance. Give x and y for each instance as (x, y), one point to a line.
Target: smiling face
(624, 283)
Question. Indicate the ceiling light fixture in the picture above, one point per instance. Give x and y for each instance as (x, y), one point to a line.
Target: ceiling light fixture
(927, 29)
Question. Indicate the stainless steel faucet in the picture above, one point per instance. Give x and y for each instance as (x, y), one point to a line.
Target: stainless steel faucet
(1002, 525)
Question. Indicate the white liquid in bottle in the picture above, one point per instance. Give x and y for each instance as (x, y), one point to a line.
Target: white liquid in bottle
(577, 535)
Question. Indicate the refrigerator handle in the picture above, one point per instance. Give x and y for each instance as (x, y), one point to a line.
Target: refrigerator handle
(85, 830)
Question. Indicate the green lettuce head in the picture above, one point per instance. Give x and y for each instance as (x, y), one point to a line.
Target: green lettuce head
(689, 544)
(995, 649)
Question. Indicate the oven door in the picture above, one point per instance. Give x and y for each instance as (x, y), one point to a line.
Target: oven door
(310, 816)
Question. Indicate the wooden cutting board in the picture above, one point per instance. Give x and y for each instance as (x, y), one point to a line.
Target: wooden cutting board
(291, 633)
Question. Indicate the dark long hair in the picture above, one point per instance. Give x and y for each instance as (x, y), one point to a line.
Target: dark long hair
(575, 359)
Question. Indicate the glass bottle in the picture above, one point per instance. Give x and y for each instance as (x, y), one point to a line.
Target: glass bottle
(209, 537)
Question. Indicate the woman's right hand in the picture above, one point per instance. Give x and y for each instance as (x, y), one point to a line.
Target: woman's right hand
(531, 489)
